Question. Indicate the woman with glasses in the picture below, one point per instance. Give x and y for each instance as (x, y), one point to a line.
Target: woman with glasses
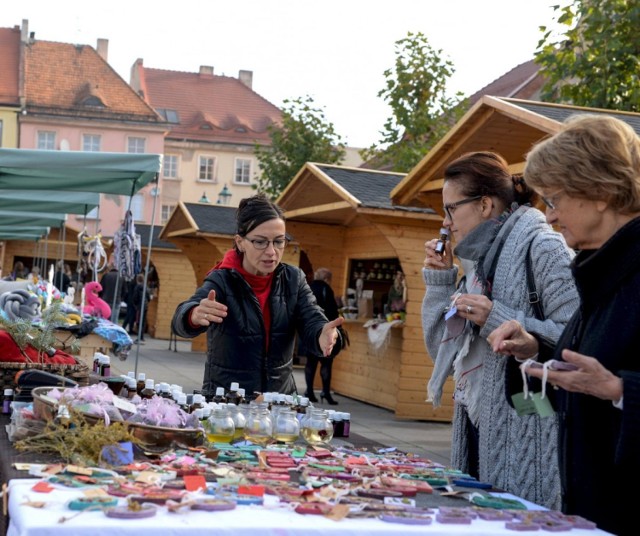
(496, 233)
(589, 175)
(252, 305)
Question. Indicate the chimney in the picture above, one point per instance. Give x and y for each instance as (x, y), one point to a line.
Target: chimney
(206, 71)
(246, 77)
(24, 33)
(103, 48)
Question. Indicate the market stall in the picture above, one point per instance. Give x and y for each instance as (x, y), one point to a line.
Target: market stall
(344, 220)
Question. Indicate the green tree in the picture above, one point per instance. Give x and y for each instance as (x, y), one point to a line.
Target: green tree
(596, 61)
(304, 136)
(416, 91)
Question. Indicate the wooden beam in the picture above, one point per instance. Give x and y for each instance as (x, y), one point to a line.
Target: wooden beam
(328, 207)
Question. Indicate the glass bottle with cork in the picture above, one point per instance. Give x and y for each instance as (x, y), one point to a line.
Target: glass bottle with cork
(140, 385)
(149, 389)
(219, 397)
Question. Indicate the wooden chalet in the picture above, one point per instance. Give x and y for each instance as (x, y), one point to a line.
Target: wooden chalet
(344, 220)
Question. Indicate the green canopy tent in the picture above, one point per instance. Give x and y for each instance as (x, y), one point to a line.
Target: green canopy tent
(75, 171)
(49, 201)
(39, 219)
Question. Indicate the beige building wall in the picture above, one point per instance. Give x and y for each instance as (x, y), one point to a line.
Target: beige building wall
(9, 127)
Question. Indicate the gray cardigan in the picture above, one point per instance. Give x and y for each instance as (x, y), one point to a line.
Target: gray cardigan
(517, 454)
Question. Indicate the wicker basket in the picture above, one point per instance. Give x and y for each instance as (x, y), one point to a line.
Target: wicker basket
(8, 370)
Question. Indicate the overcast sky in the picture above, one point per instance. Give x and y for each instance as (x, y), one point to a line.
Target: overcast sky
(333, 50)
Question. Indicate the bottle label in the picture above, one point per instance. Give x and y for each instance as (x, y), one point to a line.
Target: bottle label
(346, 427)
(6, 406)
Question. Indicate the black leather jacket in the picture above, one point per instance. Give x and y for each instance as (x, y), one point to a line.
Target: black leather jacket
(236, 347)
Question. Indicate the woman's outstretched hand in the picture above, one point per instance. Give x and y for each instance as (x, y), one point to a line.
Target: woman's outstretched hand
(209, 310)
(510, 338)
(329, 336)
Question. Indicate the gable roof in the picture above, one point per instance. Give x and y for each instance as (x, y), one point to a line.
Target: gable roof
(509, 127)
(338, 195)
(522, 82)
(64, 79)
(9, 62)
(189, 219)
(209, 107)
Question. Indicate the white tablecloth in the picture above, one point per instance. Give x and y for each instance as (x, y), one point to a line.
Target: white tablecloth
(268, 520)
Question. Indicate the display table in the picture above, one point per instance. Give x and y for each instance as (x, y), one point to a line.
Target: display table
(272, 519)
(89, 345)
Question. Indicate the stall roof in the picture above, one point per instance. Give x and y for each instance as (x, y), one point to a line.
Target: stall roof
(189, 219)
(336, 195)
(49, 201)
(108, 173)
(507, 126)
(39, 219)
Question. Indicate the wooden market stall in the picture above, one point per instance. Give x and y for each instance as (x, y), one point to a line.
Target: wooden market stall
(344, 220)
(202, 233)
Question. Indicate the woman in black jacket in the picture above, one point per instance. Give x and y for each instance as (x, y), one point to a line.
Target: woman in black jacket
(252, 305)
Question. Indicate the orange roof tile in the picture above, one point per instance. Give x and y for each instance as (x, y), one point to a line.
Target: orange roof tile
(9, 63)
(233, 112)
(60, 76)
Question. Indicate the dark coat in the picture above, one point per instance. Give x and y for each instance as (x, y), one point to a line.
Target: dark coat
(112, 284)
(327, 302)
(600, 444)
(236, 347)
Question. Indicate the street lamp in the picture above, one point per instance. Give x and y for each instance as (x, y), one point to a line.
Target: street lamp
(204, 198)
(224, 197)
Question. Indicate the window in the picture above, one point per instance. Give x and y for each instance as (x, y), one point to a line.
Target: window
(242, 173)
(136, 207)
(207, 164)
(170, 166)
(135, 145)
(169, 115)
(46, 140)
(165, 213)
(91, 143)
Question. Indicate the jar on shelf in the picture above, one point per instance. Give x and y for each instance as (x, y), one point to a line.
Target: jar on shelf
(259, 427)
(317, 428)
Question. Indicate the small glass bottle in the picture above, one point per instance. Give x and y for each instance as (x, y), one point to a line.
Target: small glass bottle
(219, 397)
(141, 381)
(338, 424)
(232, 394)
(105, 366)
(346, 424)
(198, 402)
(241, 395)
(239, 420)
(182, 402)
(440, 244)
(316, 428)
(149, 390)
(131, 387)
(6, 401)
(286, 428)
(219, 428)
(259, 426)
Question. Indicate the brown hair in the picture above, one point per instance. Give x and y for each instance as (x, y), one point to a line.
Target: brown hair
(593, 157)
(254, 211)
(487, 174)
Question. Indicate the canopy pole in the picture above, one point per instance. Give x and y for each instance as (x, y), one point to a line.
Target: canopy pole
(146, 277)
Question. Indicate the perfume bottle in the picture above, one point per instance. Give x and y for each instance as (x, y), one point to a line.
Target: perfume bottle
(440, 245)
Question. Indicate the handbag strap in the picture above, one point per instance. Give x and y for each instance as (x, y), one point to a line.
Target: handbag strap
(534, 296)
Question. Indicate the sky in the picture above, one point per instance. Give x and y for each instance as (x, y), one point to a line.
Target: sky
(334, 51)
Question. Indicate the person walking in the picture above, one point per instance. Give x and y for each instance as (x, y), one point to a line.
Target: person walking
(252, 305)
(321, 288)
(112, 290)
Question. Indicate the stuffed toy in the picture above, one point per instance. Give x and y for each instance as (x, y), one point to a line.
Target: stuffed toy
(96, 306)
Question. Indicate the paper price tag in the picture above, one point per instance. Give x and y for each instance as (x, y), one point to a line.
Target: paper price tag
(124, 404)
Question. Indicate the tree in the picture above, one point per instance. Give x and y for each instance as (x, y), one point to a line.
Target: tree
(304, 136)
(422, 112)
(596, 61)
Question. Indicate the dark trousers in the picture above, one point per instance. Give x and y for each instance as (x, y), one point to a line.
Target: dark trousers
(130, 318)
(474, 448)
(325, 373)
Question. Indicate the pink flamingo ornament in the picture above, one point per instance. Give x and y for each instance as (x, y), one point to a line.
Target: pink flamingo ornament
(96, 306)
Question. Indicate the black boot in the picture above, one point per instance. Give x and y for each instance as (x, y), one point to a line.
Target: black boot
(328, 398)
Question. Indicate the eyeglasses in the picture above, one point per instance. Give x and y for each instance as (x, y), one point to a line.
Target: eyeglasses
(552, 201)
(261, 243)
(451, 207)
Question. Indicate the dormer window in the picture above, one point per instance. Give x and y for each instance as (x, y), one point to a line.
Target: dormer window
(241, 129)
(169, 115)
(93, 101)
